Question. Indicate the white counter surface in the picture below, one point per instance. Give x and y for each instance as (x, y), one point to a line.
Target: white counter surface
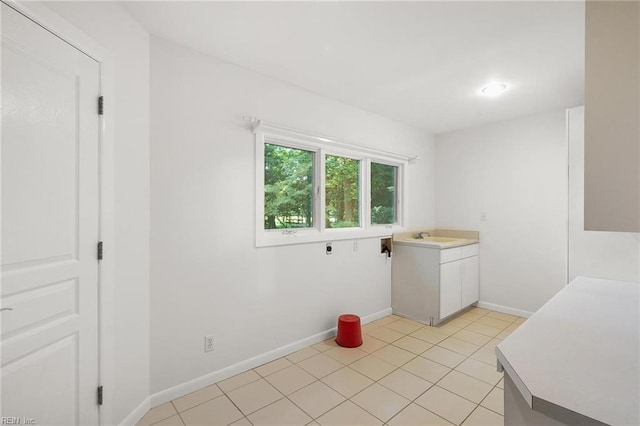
(581, 352)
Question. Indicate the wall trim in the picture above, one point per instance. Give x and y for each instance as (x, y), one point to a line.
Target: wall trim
(504, 309)
(193, 385)
(137, 413)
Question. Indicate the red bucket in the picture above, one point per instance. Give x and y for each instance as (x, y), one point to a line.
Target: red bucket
(349, 333)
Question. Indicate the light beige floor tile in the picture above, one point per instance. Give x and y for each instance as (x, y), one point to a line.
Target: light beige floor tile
(320, 365)
(465, 386)
(426, 369)
(500, 384)
(481, 311)
(386, 334)
(386, 320)
(197, 397)
(461, 322)
(415, 415)
(404, 327)
(394, 355)
(347, 382)
(486, 355)
(447, 329)
(242, 422)
(371, 344)
(238, 381)
(380, 401)
(484, 329)
(471, 316)
(503, 317)
(471, 337)
(302, 354)
(273, 366)
(459, 346)
(325, 345)
(171, 421)
(293, 378)
(480, 371)
(493, 322)
(429, 335)
(410, 321)
(282, 412)
(368, 327)
(348, 414)
(504, 334)
(346, 355)
(372, 367)
(520, 320)
(483, 417)
(444, 356)
(158, 413)
(218, 411)
(406, 384)
(254, 396)
(316, 399)
(446, 404)
(494, 401)
(412, 344)
(492, 344)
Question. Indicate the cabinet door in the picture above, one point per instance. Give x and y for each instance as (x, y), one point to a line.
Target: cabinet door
(450, 287)
(470, 281)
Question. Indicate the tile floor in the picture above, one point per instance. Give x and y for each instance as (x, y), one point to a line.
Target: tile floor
(405, 373)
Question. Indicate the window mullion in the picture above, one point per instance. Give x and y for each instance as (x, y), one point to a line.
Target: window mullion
(365, 193)
(320, 189)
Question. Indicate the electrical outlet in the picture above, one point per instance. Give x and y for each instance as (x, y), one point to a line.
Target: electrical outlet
(329, 249)
(208, 343)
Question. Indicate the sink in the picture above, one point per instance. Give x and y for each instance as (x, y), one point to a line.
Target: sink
(436, 242)
(436, 239)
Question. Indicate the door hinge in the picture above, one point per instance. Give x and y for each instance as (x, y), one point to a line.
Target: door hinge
(100, 250)
(99, 395)
(101, 105)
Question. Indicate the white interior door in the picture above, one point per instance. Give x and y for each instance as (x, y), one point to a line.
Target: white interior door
(50, 226)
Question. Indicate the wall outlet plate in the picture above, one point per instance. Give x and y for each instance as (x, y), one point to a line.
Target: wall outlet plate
(208, 343)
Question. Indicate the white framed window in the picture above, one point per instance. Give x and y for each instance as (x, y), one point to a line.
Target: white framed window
(312, 188)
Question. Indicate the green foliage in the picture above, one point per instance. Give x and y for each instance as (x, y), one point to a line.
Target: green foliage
(288, 187)
(383, 194)
(342, 190)
(288, 190)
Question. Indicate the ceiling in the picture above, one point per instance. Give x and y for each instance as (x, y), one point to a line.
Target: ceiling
(420, 63)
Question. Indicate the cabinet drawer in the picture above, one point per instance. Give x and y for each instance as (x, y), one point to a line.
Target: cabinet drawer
(449, 255)
(468, 251)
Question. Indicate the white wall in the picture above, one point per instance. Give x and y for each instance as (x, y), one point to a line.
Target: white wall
(516, 172)
(113, 29)
(612, 255)
(207, 276)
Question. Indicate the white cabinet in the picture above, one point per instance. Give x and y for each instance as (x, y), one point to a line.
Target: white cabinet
(450, 288)
(430, 284)
(470, 289)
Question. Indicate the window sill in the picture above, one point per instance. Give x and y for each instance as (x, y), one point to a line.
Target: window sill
(277, 238)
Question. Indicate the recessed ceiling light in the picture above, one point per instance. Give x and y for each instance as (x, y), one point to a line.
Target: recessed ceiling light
(493, 89)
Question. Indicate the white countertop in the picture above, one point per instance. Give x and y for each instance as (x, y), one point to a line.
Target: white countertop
(581, 352)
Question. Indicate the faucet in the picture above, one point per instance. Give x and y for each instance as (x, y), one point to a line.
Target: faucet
(419, 235)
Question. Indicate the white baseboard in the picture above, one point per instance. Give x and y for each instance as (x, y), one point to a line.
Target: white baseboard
(242, 366)
(138, 412)
(504, 309)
